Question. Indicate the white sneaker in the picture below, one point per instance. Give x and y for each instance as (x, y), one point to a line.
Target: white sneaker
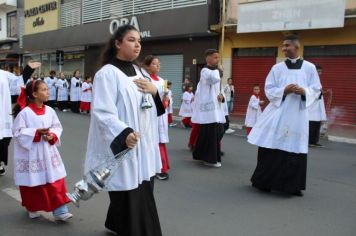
(216, 165)
(172, 124)
(63, 217)
(2, 169)
(65, 110)
(229, 131)
(33, 215)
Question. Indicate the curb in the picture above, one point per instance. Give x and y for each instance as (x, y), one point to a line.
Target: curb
(332, 138)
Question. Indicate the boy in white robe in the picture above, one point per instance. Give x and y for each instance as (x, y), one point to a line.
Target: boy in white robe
(51, 81)
(281, 132)
(186, 108)
(207, 113)
(253, 109)
(62, 86)
(6, 79)
(75, 91)
(317, 114)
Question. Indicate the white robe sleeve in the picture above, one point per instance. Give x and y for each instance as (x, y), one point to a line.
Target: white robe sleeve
(186, 98)
(312, 92)
(273, 91)
(210, 76)
(23, 134)
(104, 107)
(254, 102)
(56, 128)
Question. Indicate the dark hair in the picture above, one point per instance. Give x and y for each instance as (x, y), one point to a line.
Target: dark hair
(52, 72)
(75, 72)
(319, 67)
(31, 87)
(188, 85)
(210, 51)
(229, 79)
(169, 83)
(292, 37)
(148, 60)
(110, 49)
(256, 85)
(87, 77)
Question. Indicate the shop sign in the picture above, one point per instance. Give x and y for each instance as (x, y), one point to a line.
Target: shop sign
(114, 24)
(282, 15)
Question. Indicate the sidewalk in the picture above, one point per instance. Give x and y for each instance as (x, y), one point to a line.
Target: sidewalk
(336, 133)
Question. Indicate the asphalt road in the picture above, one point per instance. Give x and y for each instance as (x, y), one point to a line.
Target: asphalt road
(201, 201)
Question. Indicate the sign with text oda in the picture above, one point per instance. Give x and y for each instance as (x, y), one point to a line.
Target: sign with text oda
(280, 15)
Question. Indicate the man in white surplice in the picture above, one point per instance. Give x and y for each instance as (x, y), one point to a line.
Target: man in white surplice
(281, 132)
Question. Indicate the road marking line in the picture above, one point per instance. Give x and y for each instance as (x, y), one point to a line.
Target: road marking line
(15, 194)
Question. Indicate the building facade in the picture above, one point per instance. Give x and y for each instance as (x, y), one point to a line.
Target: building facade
(249, 55)
(9, 34)
(176, 31)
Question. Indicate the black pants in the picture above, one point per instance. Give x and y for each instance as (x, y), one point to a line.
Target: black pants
(134, 212)
(4, 148)
(74, 106)
(280, 170)
(314, 132)
(207, 147)
(62, 105)
(14, 98)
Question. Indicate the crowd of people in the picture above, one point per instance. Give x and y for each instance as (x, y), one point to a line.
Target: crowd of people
(131, 109)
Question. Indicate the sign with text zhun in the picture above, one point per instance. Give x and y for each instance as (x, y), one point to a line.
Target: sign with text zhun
(114, 24)
(280, 15)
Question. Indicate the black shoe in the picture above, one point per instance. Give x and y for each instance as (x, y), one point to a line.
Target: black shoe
(266, 190)
(162, 176)
(298, 194)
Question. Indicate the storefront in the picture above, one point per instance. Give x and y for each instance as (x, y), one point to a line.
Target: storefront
(180, 43)
(249, 56)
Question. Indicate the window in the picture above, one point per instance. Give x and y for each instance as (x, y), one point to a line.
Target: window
(12, 24)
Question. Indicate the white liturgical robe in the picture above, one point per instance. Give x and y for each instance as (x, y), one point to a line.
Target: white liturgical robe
(116, 105)
(284, 124)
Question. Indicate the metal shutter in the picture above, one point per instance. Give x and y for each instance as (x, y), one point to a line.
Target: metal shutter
(172, 70)
(247, 71)
(339, 74)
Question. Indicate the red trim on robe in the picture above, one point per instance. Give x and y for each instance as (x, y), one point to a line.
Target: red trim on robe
(164, 158)
(154, 77)
(248, 130)
(193, 136)
(85, 106)
(47, 197)
(54, 140)
(38, 110)
(170, 118)
(37, 137)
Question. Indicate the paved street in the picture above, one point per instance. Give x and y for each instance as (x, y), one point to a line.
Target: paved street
(200, 201)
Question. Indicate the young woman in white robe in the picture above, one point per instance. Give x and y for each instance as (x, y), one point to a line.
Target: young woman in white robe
(118, 122)
(152, 67)
(253, 109)
(75, 91)
(6, 119)
(186, 108)
(51, 81)
(62, 86)
(38, 168)
(86, 97)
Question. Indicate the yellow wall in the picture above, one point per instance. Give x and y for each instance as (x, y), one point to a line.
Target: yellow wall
(50, 18)
(337, 36)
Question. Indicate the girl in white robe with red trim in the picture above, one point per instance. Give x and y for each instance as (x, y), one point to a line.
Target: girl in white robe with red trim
(86, 96)
(38, 168)
(152, 66)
